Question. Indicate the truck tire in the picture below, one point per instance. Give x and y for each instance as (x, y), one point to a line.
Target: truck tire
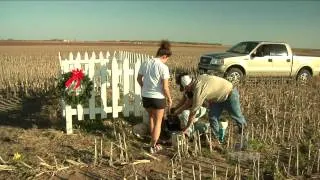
(234, 75)
(303, 76)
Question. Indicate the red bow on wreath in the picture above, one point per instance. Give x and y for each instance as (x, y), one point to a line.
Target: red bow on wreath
(77, 75)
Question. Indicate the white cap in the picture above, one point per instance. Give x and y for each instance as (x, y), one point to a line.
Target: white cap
(185, 80)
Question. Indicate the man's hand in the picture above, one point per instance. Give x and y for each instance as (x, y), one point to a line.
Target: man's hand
(190, 122)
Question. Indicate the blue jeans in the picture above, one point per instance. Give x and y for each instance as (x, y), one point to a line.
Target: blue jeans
(232, 105)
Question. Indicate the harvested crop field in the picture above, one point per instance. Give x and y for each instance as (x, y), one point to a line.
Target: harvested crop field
(281, 139)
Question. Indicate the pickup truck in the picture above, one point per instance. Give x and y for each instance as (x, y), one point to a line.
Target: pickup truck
(259, 59)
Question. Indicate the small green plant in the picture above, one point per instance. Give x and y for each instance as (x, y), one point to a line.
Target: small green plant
(255, 145)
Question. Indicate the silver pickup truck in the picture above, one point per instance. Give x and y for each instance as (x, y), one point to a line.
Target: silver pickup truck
(259, 59)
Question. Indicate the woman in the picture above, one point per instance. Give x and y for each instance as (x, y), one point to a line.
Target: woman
(153, 77)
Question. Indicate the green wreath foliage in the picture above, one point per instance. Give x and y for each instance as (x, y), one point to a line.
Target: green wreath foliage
(69, 95)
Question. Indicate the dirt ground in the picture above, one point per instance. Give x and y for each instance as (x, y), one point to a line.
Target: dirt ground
(35, 146)
(34, 128)
(46, 150)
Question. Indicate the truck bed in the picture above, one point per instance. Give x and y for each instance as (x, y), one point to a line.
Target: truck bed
(306, 52)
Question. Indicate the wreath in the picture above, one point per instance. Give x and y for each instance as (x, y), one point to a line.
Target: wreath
(74, 87)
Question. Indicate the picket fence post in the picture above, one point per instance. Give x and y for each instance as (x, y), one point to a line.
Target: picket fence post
(79, 106)
(126, 86)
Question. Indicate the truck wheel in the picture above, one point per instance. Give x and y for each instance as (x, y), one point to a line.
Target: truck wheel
(303, 76)
(234, 75)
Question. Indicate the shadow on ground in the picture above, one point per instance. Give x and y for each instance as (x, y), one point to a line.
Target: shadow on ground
(30, 112)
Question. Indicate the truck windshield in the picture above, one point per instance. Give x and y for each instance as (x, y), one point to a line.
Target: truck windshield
(243, 47)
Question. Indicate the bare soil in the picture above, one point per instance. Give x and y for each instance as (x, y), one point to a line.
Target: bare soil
(24, 131)
(33, 127)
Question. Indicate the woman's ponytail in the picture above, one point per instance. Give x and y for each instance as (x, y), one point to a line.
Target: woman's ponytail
(164, 49)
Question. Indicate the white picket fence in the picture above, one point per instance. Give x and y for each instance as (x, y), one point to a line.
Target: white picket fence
(114, 75)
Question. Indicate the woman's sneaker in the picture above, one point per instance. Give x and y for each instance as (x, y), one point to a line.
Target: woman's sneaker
(155, 148)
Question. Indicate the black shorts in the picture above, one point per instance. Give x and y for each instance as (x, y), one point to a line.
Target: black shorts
(153, 103)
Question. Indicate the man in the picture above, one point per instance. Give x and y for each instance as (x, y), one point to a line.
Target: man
(182, 111)
(219, 93)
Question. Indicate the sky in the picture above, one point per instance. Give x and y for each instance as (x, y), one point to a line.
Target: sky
(226, 22)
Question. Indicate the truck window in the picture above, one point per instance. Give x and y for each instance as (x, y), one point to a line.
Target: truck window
(243, 47)
(263, 50)
(278, 50)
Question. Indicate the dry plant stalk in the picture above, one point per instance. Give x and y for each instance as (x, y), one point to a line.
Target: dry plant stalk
(235, 173)
(226, 176)
(121, 156)
(263, 134)
(101, 148)
(199, 143)
(229, 138)
(193, 173)
(254, 169)
(297, 164)
(210, 140)
(184, 146)
(75, 163)
(181, 172)
(214, 172)
(178, 145)
(195, 145)
(309, 150)
(142, 161)
(283, 131)
(199, 171)
(187, 148)
(153, 157)
(95, 152)
(55, 161)
(111, 154)
(258, 166)
(318, 164)
(3, 161)
(252, 132)
(239, 170)
(181, 142)
(277, 161)
(135, 172)
(247, 139)
(289, 162)
(7, 168)
(26, 165)
(114, 131)
(173, 176)
(125, 147)
(241, 139)
(290, 131)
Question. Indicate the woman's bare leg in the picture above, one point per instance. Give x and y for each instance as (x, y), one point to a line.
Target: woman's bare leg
(157, 121)
(151, 121)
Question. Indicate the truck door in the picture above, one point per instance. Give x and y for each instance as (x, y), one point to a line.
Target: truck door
(281, 60)
(260, 63)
